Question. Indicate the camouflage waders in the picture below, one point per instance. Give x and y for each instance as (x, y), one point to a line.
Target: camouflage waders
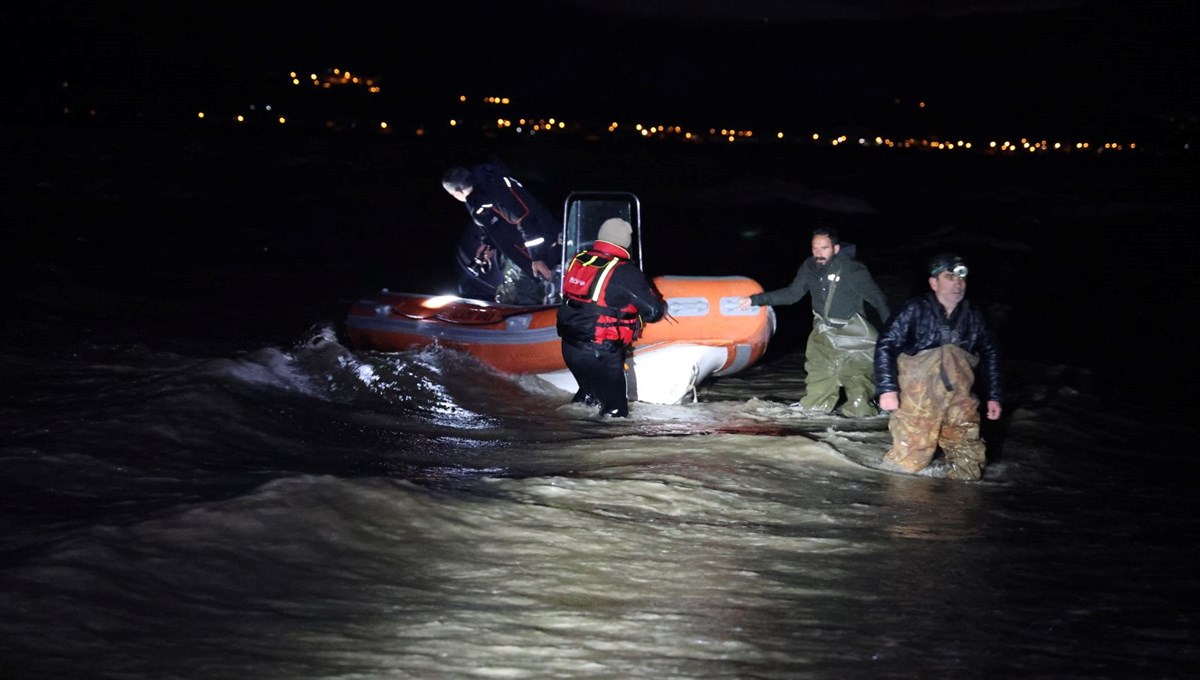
(838, 357)
(937, 409)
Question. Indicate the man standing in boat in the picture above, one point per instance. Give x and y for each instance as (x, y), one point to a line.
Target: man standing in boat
(840, 351)
(510, 220)
(607, 301)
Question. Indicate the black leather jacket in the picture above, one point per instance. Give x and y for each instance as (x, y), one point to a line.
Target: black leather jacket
(921, 324)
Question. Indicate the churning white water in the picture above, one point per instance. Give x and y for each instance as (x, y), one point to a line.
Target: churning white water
(312, 512)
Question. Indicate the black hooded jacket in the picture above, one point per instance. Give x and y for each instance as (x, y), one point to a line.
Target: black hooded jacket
(854, 287)
(921, 324)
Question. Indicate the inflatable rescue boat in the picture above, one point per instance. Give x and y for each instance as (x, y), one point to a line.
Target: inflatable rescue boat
(704, 334)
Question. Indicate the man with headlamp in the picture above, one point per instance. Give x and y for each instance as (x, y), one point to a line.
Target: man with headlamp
(925, 361)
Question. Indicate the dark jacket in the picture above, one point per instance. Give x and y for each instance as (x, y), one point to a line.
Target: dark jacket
(922, 324)
(626, 286)
(854, 286)
(508, 217)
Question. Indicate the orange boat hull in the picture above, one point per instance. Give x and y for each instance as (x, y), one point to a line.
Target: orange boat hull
(522, 340)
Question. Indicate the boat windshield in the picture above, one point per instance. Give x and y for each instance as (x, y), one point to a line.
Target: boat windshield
(586, 211)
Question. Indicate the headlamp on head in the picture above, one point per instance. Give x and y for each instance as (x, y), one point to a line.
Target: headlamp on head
(948, 263)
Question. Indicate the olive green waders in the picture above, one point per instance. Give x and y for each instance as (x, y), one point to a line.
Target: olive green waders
(937, 409)
(840, 356)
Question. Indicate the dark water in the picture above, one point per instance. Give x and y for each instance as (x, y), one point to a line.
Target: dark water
(200, 479)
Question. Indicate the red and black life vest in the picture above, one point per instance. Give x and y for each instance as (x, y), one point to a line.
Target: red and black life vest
(585, 285)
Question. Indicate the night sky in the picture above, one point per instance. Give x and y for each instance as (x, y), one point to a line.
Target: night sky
(991, 66)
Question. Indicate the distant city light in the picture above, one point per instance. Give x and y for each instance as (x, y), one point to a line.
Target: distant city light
(345, 80)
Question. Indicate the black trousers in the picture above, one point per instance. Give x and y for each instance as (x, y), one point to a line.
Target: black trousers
(600, 372)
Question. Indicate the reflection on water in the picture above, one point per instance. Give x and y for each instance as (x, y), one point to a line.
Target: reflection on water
(928, 511)
(314, 512)
(194, 486)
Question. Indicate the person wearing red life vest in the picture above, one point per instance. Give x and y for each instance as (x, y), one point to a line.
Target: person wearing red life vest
(607, 300)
